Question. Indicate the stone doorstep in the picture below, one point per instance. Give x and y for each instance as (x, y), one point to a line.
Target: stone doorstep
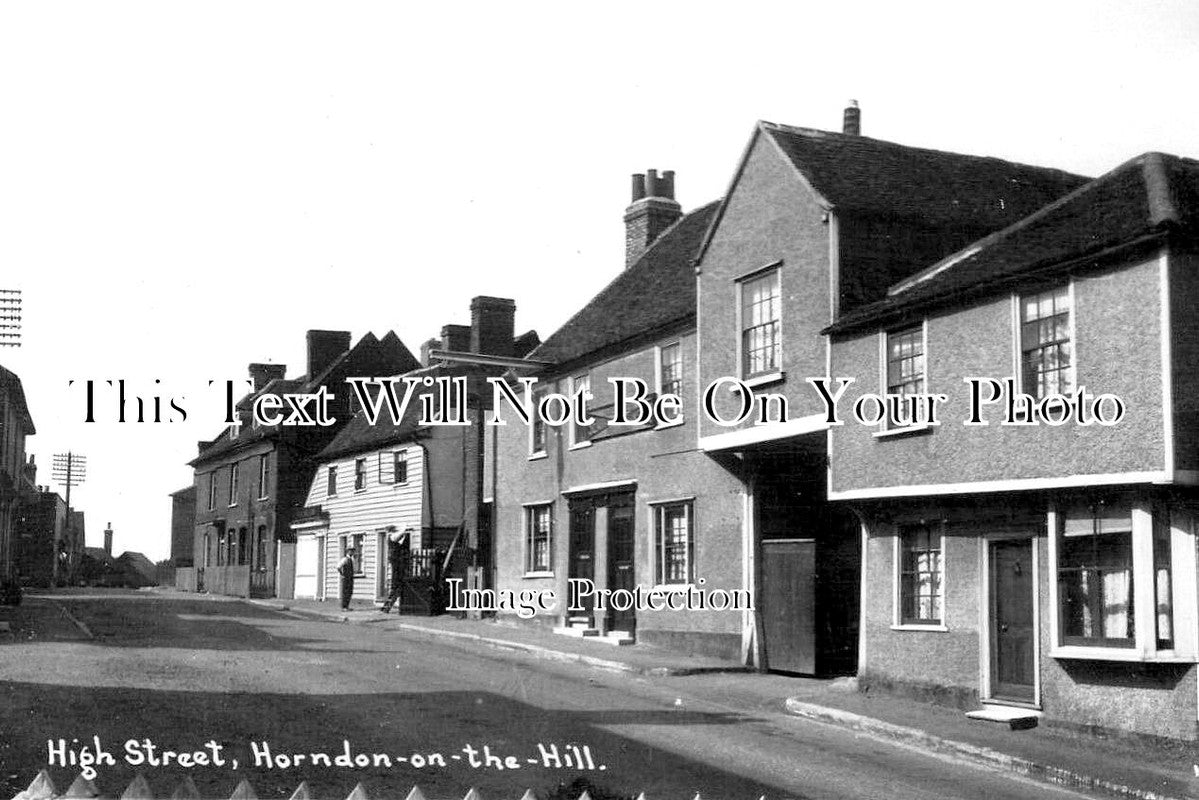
(577, 631)
(1015, 717)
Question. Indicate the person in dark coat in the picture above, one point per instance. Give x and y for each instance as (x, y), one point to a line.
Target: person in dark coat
(346, 570)
(397, 554)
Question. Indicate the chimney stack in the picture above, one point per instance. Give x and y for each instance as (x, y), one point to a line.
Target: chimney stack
(852, 121)
(456, 338)
(323, 349)
(429, 344)
(492, 325)
(262, 374)
(652, 211)
(108, 539)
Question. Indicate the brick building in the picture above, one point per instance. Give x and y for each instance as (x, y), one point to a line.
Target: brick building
(252, 479)
(183, 522)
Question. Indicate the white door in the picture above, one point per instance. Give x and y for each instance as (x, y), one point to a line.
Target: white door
(306, 566)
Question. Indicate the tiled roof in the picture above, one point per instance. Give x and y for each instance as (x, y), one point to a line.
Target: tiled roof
(359, 436)
(1148, 195)
(873, 177)
(657, 290)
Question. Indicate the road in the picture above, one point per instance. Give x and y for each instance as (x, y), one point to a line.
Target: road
(232, 680)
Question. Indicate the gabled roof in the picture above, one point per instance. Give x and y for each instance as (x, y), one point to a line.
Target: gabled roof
(359, 436)
(391, 346)
(11, 385)
(934, 189)
(1147, 196)
(878, 178)
(655, 292)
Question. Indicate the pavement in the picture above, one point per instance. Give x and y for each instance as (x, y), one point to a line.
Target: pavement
(1116, 767)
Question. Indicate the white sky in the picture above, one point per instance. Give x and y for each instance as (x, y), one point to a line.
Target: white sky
(186, 188)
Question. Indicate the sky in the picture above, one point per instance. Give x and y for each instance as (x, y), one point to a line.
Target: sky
(186, 188)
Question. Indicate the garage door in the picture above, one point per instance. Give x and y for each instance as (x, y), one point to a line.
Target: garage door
(306, 566)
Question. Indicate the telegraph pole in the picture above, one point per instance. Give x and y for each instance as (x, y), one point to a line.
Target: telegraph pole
(10, 317)
(69, 469)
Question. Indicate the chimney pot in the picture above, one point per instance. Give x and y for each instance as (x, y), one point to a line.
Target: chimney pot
(456, 338)
(638, 186)
(852, 119)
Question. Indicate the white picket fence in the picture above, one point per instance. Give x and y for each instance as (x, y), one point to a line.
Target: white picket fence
(42, 788)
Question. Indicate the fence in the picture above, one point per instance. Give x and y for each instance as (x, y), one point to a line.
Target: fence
(42, 788)
(185, 579)
(233, 581)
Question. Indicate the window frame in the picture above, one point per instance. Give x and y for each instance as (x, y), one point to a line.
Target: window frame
(1146, 514)
(359, 475)
(537, 424)
(658, 510)
(1018, 324)
(212, 487)
(331, 481)
(659, 383)
(898, 600)
(234, 480)
(264, 476)
(388, 461)
(356, 540)
(529, 514)
(776, 372)
(884, 364)
(582, 380)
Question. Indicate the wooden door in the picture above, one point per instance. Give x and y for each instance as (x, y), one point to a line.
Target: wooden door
(1013, 624)
(581, 558)
(789, 605)
(621, 572)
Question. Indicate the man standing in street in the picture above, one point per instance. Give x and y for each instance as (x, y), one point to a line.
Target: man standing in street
(397, 556)
(346, 570)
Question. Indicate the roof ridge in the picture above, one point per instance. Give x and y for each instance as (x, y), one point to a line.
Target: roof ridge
(978, 245)
(802, 131)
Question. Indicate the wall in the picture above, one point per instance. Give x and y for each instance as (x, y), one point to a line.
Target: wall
(664, 464)
(368, 511)
(768, 217)
(1157, 699)
(1118, 351)
(1184, 346)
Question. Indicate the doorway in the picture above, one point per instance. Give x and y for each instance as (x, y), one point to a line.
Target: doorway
(621, 572)
(1012, 620)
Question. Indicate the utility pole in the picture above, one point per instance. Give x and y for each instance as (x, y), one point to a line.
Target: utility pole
(10, 317)
(69, 469)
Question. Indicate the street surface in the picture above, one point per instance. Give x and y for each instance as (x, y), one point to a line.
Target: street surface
(217, 680)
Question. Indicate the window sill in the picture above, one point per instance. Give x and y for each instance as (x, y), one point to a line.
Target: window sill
(765, 379)
(580, 445)
(265, 497)
(913, 627)
(672, 424)
(907, 430)
(539, 575)
(1130, 654)
(538, 455)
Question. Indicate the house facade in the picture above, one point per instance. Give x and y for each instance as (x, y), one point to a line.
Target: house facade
(816, 223)
(378, 477)
(251, 480)
(624, 506)
(1043, 557)
(183, 522)
(45, 552)
(15, 424)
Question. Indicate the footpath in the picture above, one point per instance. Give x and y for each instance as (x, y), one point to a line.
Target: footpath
(1124, 767)
(1112, 767)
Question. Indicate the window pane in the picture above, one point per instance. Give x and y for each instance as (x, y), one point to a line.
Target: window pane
(1095, 579)
(1046, 354)
(920, 576)
(760, 324)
